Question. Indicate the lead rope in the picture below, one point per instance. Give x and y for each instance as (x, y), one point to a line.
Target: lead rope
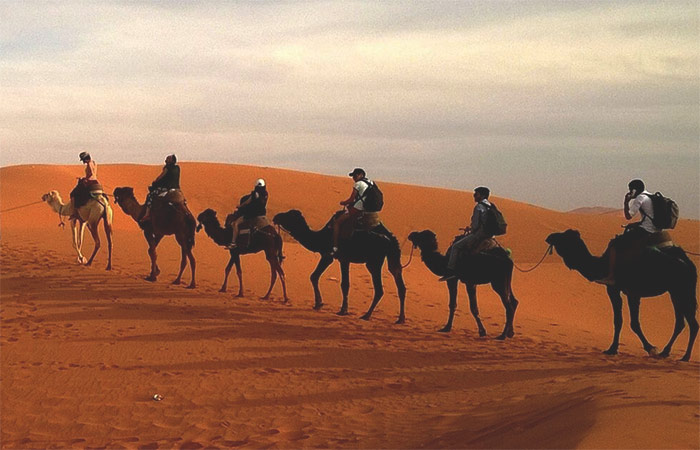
(549, 251)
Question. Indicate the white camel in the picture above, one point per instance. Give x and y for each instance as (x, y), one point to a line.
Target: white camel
(89, 214)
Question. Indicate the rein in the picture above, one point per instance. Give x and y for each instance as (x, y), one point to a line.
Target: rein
(410, 257)
(549, 251)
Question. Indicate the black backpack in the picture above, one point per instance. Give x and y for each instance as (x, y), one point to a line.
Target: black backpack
(372, 198)
(665, 211)
(495, 224)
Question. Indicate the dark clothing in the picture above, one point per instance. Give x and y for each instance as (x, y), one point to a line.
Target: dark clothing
(171, 179)
(83, 191)
(255, 203)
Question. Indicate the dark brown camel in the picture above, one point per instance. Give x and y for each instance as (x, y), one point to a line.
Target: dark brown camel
(657, 271)
(368, 248)
(169, 215)
(492, 267)
(266, 239)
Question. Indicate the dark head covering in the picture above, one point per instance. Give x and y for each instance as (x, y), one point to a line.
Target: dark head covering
(84, 156)
(357, 171)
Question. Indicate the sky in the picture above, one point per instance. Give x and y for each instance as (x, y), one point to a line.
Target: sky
(554, 103)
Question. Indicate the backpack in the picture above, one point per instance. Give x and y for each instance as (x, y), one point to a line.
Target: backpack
(495, 224)
(665, 211)
(372, 198)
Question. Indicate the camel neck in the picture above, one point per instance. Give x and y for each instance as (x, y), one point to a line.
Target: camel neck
(590, 266)
(132, 208)
(316, 241)
(434, 261)
(220, 235)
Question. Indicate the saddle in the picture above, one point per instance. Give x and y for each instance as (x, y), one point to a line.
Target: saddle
(367, 221)
(247, 228)
(86, 190)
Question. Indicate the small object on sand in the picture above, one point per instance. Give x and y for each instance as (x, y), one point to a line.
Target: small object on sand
(157, 397)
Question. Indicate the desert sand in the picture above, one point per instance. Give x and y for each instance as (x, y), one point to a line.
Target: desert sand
(84, 351)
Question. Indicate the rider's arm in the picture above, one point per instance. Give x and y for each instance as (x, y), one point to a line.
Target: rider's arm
(162, 174)
(351, 200)
(630, 211)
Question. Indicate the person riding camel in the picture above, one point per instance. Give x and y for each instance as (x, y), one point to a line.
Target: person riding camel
(252, 208)
(88, 185)
(474, 234)
(354, 205)
(168, 179)
(636, 235)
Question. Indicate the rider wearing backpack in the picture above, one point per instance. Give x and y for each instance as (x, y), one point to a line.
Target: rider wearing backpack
(637, 200)
(355, 204)
(475, 234)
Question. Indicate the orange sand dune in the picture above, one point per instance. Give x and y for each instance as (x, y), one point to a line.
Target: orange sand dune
(85, 350)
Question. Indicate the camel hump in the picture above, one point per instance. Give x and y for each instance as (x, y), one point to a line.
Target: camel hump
(171, 196)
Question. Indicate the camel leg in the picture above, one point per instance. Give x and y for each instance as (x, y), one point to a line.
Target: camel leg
(96, 238)
(376, 271)
(616, 301)
(321, 267)
(276, 267)
(504, 293)
(77, 229)
(474, 308)
(344, 286)
(633, 302)
(227, 271)
(183, 264)
(190, 257)
(452, 286)
(273, 276)
(153, 242)
(239, 275)
(693, 326)
(397, 273)
(677, 328)
(513, 306)
(108, 234)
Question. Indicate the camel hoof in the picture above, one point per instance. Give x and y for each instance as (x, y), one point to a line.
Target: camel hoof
(610, 351)
(501, 337)
(222, 290)
(663, 354)
(176, 282)
(366, 316)
(342, 312)
(445, 329)
(685, 358)
(653, 351)
(191, 286)
(150, 278)
(318, 306)
(266, 297)
(240, 295)
(400, 321)
(510, 334)
(482, 333)
(108, 268)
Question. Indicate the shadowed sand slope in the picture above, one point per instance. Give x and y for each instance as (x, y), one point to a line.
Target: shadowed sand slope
(85, 350)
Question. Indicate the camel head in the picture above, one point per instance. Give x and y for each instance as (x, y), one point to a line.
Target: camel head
(425, 240)
(568, 243)
(51, 197)
(123, 193)
(208, 216)
(291, 220)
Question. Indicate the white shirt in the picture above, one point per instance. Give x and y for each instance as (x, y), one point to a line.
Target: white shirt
(361, 186)
(642, 204)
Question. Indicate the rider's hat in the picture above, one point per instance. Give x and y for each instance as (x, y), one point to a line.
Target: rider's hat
(357, 171)
(84, 156)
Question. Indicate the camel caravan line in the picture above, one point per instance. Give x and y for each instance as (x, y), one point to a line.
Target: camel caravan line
(356, 235)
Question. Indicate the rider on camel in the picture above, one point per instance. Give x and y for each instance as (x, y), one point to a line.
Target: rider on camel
(168, 179)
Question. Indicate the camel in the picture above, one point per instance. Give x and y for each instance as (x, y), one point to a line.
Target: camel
(369, 248)
(667, 269)
(169, 216)
(266, 239)
(492, 267)
(89, 214)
